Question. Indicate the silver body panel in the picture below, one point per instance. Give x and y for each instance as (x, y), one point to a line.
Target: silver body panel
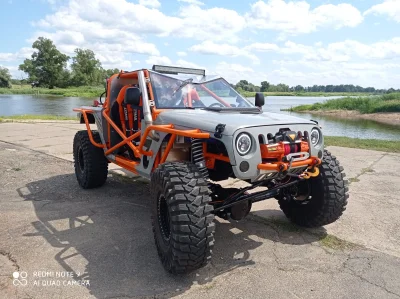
(208, 120)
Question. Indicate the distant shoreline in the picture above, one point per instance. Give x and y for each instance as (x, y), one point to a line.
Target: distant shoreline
(391, 118)
(95, 91)
(81, 92)
(248, 94)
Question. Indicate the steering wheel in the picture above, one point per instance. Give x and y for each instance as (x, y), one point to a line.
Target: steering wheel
(217, 105)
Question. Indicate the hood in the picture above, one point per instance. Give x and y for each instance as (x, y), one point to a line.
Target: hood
(208, 120)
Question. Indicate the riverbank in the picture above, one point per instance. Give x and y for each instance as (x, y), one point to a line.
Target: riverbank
(384, 108)
(249, 94)
(390, 118)
(83, 91)
(370, 144)
(95, 91)
(38, 118)
(373, 104)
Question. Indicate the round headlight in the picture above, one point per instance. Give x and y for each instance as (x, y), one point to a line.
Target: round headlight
(315, 136)
(243, 144)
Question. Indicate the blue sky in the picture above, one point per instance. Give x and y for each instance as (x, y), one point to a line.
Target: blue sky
(294, 42)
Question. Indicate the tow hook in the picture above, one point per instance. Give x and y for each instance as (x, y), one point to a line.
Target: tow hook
(309, 173)
(312, 171)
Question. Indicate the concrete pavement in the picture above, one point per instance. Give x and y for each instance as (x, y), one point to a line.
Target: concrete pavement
(103, 236)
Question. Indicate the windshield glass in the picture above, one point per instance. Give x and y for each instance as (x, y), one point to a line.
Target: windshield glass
(174, 93)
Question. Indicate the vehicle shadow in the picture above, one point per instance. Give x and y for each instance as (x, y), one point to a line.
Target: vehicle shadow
(109, 231)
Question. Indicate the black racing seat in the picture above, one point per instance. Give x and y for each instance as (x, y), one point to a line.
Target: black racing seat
(134, 110)
(132, 116)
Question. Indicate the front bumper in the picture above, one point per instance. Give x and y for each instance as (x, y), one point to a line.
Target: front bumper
(258, 166)
(286, 166)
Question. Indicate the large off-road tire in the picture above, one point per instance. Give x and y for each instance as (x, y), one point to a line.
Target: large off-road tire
(91, 166)
(183, 224)
(329, 194)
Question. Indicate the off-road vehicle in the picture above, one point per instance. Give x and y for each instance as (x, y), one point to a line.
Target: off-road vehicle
(185, 132)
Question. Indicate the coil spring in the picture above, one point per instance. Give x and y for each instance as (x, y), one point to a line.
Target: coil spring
(198, 158)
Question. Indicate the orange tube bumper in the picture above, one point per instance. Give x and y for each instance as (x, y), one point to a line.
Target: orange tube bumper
(84, 111)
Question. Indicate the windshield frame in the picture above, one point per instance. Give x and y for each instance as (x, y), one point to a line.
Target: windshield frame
(182, 83)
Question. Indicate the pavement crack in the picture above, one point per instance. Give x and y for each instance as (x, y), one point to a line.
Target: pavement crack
(36, 151)
(10, 257)
(368, 169)
(359, 275)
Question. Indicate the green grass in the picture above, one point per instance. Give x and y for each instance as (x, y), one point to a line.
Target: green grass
(335, 243)
(83, 91)
(370, 144)
(250, 94)
(36, 117)
(372, 104)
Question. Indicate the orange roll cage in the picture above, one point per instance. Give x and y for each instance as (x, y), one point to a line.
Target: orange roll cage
(170, 129)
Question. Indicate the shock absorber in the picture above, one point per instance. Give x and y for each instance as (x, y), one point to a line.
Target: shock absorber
(198, 158)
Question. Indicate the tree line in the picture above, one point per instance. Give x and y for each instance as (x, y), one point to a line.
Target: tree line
(48, 68)
(244, 85)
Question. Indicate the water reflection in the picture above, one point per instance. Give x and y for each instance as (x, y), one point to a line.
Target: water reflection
(27, 104)
(333, 126)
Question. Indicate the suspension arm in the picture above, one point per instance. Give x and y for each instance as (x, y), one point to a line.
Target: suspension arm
(256, 196)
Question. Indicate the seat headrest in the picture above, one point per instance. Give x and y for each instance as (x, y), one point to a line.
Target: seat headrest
(132, 96)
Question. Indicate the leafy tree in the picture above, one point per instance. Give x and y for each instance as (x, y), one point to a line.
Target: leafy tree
(47, 63)
(86, 69)
(243, 84)
(390, 90)
(64, 79)
(299, 88)
(110, 72)
(282, 87)
(5, 77)
(264, 86)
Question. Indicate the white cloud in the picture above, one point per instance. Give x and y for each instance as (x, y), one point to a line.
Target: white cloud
(235, 67)
(339, 51)
(121, 28)
(15, 73)
(7, 56)
(303, 72)
(194, 2)
(19, 55)
(298, 17)
(390, 8)
(150, 3)
(209, 47)
(188, 64)
(262, 47)
(120, 31)
(233, 72)
(212, 24)
(163, 60)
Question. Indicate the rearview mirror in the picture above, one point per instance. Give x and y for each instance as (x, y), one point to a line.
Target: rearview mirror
(132, 96)
(260, 100)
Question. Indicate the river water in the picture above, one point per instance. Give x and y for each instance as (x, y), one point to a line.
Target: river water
(27, 104)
